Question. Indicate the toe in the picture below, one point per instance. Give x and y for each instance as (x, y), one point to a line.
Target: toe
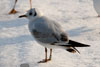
(44, 61)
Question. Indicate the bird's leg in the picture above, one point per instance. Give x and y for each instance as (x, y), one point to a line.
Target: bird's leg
(45, 60)
(30, 4)
(50, 55)
(13, 11)
(45, 55)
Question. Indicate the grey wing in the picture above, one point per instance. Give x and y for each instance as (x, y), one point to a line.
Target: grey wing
(49, 31)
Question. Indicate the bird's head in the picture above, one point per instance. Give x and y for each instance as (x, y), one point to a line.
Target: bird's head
(31, 14)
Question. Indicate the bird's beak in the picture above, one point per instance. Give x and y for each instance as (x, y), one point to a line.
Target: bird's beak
(22, 16)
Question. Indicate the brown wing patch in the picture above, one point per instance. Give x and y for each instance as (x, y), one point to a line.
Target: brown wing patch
(36, 33)
(40, 35)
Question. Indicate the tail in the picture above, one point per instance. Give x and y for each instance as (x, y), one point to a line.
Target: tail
(72, 44)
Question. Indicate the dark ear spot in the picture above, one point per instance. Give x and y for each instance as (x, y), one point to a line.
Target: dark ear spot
(35, 14)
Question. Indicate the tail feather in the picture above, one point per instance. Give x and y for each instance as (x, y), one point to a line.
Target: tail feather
(76, 50)
(72, 50)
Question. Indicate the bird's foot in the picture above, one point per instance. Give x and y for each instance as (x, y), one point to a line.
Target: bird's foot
(13, 11)
(44, 61)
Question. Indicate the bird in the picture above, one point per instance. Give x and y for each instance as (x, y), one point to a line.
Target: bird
(96, 4)
(49, 34)
(13, 11)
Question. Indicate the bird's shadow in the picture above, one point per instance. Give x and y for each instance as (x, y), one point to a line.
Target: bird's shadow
(78, 31)
(15, 40)
(13, 23)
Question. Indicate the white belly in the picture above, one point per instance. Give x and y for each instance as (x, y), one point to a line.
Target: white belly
(52, 46)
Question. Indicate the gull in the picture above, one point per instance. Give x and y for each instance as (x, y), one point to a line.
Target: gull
(49, 34)
(96, 4)
(13, 11)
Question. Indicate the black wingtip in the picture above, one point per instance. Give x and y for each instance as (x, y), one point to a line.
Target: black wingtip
(75, 44)
(87, 45)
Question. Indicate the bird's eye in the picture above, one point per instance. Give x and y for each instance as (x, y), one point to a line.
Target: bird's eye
(30, 13)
